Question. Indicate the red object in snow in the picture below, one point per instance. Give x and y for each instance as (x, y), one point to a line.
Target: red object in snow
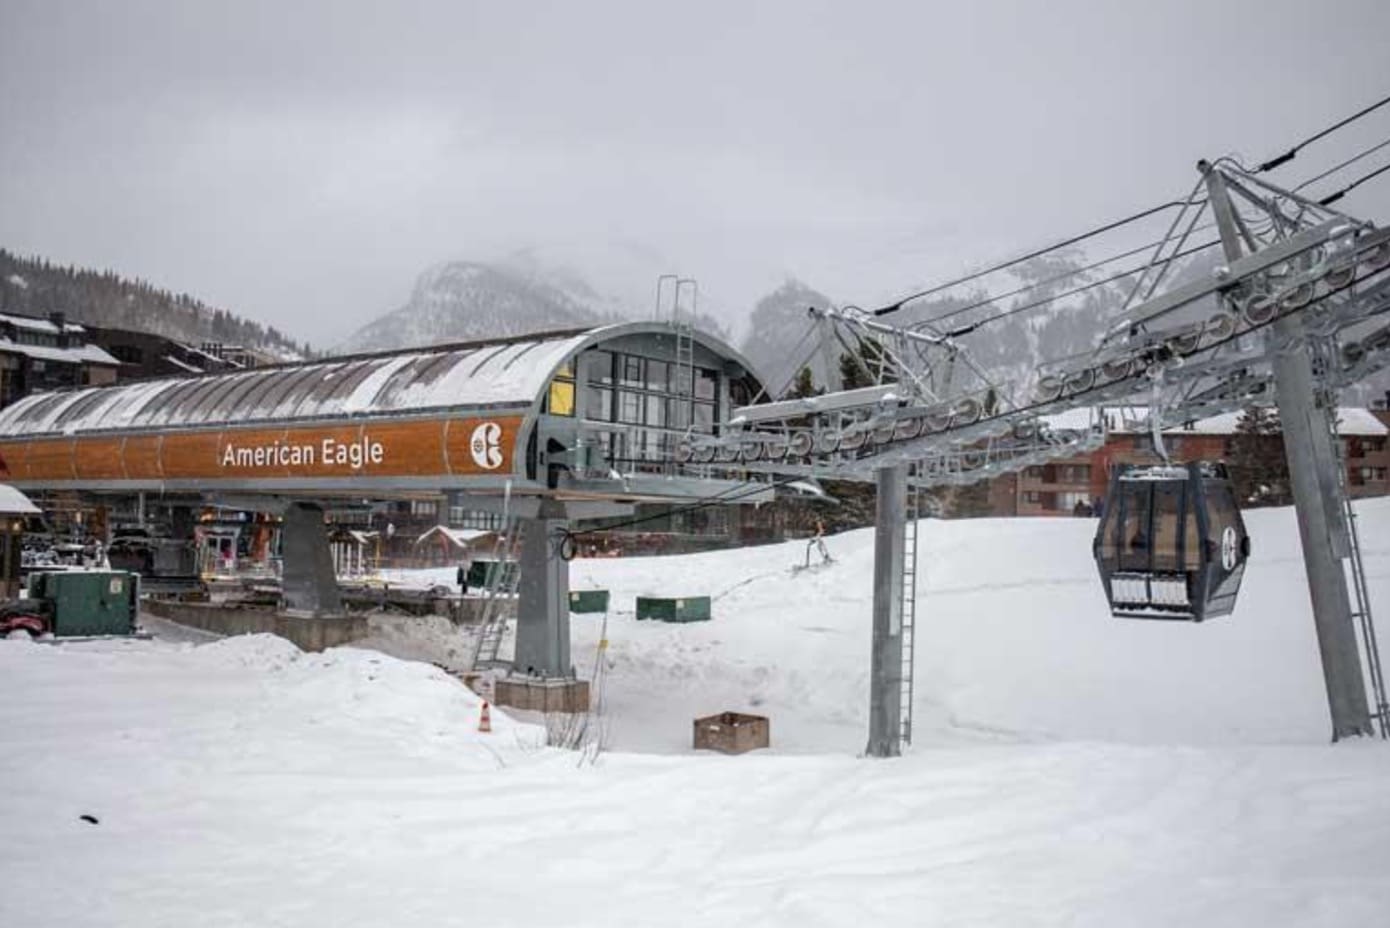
(33, 624)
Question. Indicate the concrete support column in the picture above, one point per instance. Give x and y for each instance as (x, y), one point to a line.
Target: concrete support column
(543, 616)
(1317, 501)
(886, 659)
(307, 582)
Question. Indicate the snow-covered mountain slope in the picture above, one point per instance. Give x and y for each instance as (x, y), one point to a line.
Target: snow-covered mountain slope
(1043, 310)
(36, 287)
(1073, 769)
(528, 291)
(464, 300)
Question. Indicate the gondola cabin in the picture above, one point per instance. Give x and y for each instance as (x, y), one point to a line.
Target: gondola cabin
(1171, 543)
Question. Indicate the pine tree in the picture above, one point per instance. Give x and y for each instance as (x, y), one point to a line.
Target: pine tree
(803, 386)
(864, 366)
(1259, 470)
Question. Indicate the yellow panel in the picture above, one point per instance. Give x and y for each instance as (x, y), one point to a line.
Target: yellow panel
(561, 398)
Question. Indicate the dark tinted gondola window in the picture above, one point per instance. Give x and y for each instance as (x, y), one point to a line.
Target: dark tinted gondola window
(1167, 525)
(1135, 540)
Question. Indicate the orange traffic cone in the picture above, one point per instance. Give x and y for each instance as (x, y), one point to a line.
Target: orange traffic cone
(485, 719)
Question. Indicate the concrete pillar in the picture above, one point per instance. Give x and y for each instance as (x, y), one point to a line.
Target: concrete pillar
(886, 653)
(307, 582)
(543, 616)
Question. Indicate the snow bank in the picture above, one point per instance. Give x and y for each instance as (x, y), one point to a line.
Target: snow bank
(1014, 641)
(246, 783)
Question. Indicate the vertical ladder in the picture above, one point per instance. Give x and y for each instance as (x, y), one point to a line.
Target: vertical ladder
(1361, 608)
(909, 605)
(683, 326)
(501, 586)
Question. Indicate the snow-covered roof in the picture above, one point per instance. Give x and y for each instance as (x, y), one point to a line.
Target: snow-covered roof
(13, 502)
(462, 537)
(78, 354)
(1081, 418)
(35, 324)
(1352, 422)
(511, 372)
(502, 373)
(183, 365)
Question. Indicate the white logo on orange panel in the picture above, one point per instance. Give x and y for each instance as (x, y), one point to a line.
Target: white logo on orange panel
(486, 446)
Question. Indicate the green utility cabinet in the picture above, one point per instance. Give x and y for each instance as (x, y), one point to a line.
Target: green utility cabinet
(88, 602)
(589, 601)
(686, 609)
(482, 573)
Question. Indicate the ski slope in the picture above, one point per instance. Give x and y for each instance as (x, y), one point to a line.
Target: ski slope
(1071, 769)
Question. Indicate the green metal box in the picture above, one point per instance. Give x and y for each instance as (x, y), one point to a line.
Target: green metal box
(686, 609)
(588, 601)
(483, 573)
(88, 602)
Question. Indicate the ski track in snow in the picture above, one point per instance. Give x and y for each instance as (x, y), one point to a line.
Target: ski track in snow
(1070, 769)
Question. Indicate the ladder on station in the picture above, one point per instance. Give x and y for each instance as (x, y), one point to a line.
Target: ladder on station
(683, 326)
(908, 606)
(1361, 598)
(501, 587)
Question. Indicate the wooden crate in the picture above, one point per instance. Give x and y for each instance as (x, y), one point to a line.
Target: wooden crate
(732, 732)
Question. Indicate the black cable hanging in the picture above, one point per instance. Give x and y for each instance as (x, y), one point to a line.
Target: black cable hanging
(1289, 155)
(1334, 197)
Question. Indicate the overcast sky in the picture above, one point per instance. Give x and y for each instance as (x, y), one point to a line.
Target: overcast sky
(300, 163)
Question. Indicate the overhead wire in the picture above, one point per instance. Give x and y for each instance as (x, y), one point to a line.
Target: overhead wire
(1334, 197)
(1345, 164)
(1292, 153)
(1036, 304)
(1170, 236)
(1014, 262)
(1066, 275)
(1287, 156)
(727, 496)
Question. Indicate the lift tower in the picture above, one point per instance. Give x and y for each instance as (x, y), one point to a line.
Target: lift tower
(1307, 411)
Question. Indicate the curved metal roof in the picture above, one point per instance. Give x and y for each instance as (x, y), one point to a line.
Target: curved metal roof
(510, 372)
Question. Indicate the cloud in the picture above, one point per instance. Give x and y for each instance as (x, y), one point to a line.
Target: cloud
(300, 163)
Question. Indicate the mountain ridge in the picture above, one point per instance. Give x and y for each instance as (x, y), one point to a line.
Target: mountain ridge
(35, 286)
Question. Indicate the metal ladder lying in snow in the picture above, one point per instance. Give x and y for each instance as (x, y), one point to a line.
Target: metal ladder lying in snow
(1361, 606)
(909, 606)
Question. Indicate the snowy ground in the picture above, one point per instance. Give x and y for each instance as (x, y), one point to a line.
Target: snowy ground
(1070, 768)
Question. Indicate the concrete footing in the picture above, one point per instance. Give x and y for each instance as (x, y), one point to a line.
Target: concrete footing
(310, 633)
(542, 695)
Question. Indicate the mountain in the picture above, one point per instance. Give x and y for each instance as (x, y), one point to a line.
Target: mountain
(1048, 309)
(778, 340)
(466, 300)
(36, 287)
